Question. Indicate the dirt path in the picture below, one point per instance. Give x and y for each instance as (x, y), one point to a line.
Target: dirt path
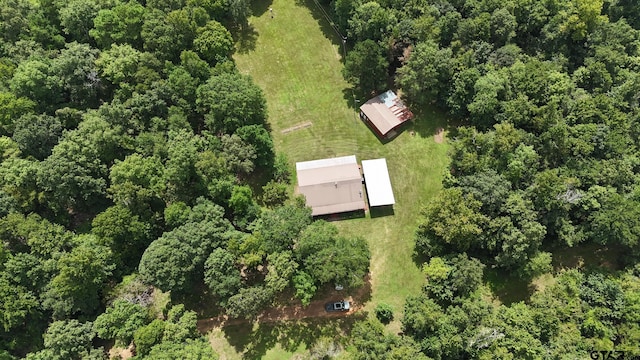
(121, 353)
(295, 311)
(303, 125)
(277, 314)
(438, 137)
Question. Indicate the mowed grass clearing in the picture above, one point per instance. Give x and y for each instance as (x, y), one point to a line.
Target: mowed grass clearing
(296, 59)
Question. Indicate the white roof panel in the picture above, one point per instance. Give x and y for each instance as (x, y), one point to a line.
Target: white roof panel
(314, 164)
(376, 178)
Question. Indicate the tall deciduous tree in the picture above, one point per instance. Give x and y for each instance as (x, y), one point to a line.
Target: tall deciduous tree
(329, 258)
(248, 302)
(122, 231)
(14, 17)
(196, 349)
(522, 165)
(76, 18)
(180, 172)
(452, 221)
(371, 341)
(173, 261)
(36, 135)
(76, 73)
(213, 42)
(488, 187)
(168, 262)
(120, 321)
(305, 287)
(238, 154)
(221, 274)
(137, 181)
(73, 175)
(616, 221)
(19, 183)
(68, 340)
(43, 238)
(12, 108)
(119, 63)
(147, 336)
(366, 67)
(240, 10)
(370, 21)
(260, 139)
(78, 285)
(19, 304)
(427, 75)
(182, 90)
(518, 236)
(167, 34)
(280, 228)
(453, 278)
(180, 325)
(33, 80)
(503, 26)
(230, 101)
(120, 24)
(280, 270)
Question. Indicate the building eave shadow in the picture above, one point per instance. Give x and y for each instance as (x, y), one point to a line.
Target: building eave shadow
(381, 211)
(356, 214)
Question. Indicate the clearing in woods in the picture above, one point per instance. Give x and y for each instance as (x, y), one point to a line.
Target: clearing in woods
(295, 57)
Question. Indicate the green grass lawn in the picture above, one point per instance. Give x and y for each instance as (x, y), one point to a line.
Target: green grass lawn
(296, 59)
(277, 341)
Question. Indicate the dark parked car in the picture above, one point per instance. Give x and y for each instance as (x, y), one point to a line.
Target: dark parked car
(342, 305)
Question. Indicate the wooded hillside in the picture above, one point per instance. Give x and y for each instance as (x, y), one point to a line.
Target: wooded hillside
(136, 162)
(544, 96)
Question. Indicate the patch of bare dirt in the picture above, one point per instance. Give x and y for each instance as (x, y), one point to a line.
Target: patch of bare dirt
(438, 137)
(303, 125)
(296, 311)
(120, 353)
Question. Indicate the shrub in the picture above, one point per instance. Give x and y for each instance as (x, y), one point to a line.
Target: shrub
(384, 313)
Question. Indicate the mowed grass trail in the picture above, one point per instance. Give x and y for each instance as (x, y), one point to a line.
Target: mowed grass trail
(296, 59)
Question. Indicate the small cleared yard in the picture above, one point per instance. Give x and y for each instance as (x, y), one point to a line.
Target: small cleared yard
(296, 59)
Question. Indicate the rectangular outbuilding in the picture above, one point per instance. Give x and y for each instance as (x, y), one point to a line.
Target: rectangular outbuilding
(376, 177)
(385, 113)
(331, 185)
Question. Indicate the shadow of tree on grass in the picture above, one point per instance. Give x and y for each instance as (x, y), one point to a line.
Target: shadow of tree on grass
(326, 25)
(427, 121)
(254, 340)
(259, 8)
(508, 288)
(246, 38)
(588, 256)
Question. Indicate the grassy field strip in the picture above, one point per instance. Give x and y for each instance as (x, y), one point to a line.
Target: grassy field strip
(298, 67)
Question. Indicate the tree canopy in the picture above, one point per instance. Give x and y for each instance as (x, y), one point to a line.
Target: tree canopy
(543, 99)
(136, 165)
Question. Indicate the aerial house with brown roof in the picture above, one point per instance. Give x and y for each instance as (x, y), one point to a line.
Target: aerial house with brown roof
(385, 113)
(331, 185)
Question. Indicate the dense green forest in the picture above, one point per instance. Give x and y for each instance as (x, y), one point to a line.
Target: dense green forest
(138, 173)
(136, 162)
(544, 96)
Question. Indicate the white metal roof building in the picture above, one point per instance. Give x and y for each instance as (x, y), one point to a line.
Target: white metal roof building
(331, 185)
(376, 176)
